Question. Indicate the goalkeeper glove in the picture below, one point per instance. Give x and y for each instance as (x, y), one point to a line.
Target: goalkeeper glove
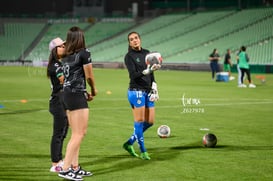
(153, 95)
(150, 69)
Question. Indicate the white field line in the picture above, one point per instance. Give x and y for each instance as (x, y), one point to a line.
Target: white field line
(217, 102)
(161, 99)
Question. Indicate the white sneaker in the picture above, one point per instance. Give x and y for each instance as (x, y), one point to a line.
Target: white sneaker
(81, 172)
(70, 175)
(242, 85)
(251, 86)
(56, 168)
(61, 163)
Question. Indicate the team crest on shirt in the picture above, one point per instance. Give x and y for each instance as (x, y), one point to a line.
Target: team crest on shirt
(138, 101)
(137, 59)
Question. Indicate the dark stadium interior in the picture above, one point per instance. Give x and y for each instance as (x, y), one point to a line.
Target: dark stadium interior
(57, 8)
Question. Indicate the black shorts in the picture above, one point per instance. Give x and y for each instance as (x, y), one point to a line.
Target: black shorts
(75, 100)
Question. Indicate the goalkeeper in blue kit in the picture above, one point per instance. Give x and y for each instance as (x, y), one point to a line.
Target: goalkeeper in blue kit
(142, 93)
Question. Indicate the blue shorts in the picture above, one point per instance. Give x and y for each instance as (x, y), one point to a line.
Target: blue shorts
(138, 98)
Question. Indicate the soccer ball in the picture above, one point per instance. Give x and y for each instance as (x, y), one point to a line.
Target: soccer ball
(209, 140)
(153, 58)
(164, 131)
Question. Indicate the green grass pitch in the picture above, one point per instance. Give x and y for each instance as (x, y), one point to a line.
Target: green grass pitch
(190, 103)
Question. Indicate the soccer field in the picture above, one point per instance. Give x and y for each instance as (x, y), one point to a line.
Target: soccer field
(191, 104)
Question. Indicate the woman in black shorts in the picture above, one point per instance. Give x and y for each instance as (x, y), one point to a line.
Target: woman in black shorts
(77, 65)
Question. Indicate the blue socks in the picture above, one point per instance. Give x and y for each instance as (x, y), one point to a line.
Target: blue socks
(139, 128)
(146, 125)
(139, 135)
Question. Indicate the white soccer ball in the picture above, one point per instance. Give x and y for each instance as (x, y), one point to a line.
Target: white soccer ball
(153, 58)
(164, 131)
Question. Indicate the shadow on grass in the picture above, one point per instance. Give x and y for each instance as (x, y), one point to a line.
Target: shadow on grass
(223, 147)
(21, 172)
(105, 164)
(20, 179)
(187, 147)
(117, 163)
(20, 111)
(27, 173)
(11, 156)
(242, 148)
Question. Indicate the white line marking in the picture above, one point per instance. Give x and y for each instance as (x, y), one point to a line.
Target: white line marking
(161, 99)
(201, 105)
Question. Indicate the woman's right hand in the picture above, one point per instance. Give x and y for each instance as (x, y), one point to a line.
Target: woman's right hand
(94, 91)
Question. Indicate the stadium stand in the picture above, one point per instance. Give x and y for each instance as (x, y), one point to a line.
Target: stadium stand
(16, 38)
(190, 38)
(40, 52)
(181, 38)
(93, 34)
(31, 39)
(103, 30)
(152, 32)
(246, 31)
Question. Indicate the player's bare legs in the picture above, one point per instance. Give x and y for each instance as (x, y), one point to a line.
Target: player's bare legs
(139, 114)
(78, 132)
(150, 115)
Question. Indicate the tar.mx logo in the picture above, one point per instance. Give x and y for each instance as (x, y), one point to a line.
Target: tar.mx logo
(191, 105)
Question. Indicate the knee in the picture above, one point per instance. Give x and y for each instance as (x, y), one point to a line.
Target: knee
(79, 135)
(139, 120)
(82, 134)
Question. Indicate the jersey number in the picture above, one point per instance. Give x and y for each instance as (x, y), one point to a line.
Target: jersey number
(66, 70)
